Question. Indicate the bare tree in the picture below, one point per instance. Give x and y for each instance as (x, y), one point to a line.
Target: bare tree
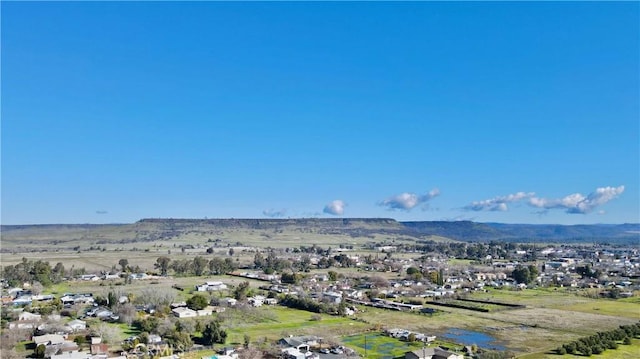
(9, 354)
(127, 312)
(36, 288)
(156, 296)
(250, 353)
(108, 333)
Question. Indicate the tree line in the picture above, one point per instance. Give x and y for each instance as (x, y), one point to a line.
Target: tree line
(598, 343)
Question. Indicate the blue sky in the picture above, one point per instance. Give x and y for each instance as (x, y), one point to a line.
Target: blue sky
(502, 112)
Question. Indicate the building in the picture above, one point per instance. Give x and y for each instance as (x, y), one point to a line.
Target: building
(432, 353)
(184, 312)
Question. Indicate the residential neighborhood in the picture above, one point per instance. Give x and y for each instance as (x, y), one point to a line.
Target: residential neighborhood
(78, 325)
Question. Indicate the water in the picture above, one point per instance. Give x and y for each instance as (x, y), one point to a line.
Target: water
(470, 337)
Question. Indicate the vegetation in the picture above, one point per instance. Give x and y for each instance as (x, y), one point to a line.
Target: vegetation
(214, 334)
(197, 302)
(598, 343)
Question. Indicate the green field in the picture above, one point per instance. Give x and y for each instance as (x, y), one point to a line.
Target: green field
(275, 322)
(378, 346)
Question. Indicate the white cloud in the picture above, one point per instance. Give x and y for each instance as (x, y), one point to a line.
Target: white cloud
(335, 208)
(577, 202)
(407, 201)
(498, 203)
(274, 213)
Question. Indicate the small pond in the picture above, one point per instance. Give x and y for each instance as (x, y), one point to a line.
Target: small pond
(470, 337)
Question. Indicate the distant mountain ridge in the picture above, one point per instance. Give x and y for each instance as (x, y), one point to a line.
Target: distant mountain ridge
(153, 228)
(473, 231)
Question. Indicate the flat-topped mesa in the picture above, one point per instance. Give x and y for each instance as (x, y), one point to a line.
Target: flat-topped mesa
(275, 222)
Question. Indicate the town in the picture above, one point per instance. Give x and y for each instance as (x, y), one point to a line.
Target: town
(217, 300)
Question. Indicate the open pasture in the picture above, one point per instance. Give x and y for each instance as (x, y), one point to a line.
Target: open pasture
(274, 322)
(379, 346)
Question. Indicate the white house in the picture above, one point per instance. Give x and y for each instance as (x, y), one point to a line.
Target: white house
(77, 325)
(72, 355)
(206, 311)
(432, 353)
(256, 301)
(332, 297)
(28, 316)
(48, 339)
(211, 286)
(184, 312)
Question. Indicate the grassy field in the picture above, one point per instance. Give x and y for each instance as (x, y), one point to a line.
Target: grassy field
(378, 346)
(543, 325)
(566, 300)
(273, 323)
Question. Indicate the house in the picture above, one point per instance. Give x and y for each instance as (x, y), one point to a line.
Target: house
(432, 353)
(91, 277)
(302, 343)
(27, 316)
(77, 325)
(72, 355)
(26, 320)
(154, 339)
(48, 339)
(22, 300)
(256, 301)
(211, 286)
(294, 343)
(332, 297)
(64, 348)
(100, 348)
(293, 353)
(206, 311)
(184, 312)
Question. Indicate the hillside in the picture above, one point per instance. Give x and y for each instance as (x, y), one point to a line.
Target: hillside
(287, 232)
(472, 231)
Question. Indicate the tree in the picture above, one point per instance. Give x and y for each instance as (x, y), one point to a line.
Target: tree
(197, 302)
(412, 270)
(149, 324)
(333, 275)
(200, 264)
(248, 353)
(162, 263)
(180, 341)
(126, 313)
(36, 288)
(80, 340)
(521, 274)
(109, 334)
(289, 278)
(58, 273)
(123, 263)
(112, 300)
(213, 334)
(240, 293)
(39, 352)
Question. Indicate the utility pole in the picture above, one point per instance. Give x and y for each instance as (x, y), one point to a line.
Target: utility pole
(365, 345)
